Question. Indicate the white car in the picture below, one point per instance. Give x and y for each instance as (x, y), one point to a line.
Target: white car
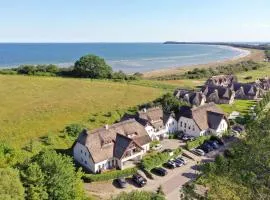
(199, 152)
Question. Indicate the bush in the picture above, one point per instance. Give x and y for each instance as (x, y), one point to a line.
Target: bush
(155, 159)
(109, 175)
(139, 195)
(197, 142)
(10, 185)
(73, 130)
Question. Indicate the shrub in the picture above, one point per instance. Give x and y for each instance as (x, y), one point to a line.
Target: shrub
(109, 175)
(139, 195)
(10, 185)
(155, 159)
(197, 142)
(73, 130)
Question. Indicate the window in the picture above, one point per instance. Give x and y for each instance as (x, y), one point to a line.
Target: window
(85, 162)
(172, 123)
(81, 151)
(185, 125)
(189, 127)
(181, 123)
(85, 153)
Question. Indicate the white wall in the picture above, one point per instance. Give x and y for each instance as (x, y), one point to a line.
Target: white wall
(189, 127)
(223, 126)
(81, 155)
(171, 125)
(150, 131)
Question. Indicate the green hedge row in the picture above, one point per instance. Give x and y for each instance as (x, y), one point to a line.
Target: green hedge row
(157, 159)
(197, 142)
(109, 175)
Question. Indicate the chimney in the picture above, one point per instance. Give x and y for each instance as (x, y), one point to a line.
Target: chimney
(106, 126)
(144, 110)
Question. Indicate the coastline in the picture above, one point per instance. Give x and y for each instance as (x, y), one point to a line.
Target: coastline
(246, 54)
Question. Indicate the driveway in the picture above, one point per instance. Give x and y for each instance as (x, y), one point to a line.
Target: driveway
(171, 183)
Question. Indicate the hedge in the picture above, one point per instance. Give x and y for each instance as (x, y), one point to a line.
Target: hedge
(156, 159)
(197, 142)
(109, 175)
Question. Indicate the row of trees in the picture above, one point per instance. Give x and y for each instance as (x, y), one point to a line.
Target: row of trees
(89, 66)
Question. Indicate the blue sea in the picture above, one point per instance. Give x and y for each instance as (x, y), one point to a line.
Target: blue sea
(128, 57)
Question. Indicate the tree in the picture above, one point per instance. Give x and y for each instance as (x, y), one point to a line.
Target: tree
(34, 182)
(10, 185)
(53, 175)
(169, 103)
(91, 66)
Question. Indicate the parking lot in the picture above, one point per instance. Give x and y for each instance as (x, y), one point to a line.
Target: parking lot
(171, 183)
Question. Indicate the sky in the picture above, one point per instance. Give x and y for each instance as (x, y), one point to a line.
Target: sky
(134, 20)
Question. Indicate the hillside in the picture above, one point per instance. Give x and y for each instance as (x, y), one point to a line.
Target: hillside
(32, 107)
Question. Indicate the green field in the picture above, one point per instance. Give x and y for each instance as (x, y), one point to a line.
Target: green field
(31, 107)
(241, 106)
(254, 74)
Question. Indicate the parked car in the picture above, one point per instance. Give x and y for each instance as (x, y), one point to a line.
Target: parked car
(198, 152)
(178, 162)
(187, 138)
(160, 171)
(139, 180)
(170, 165)
(121, 182)
(182, 159)
(157, 147)
(219, 141)
(213, 143)
(206, 147)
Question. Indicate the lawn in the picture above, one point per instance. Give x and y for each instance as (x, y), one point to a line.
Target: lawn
(32, 107)
(241, 106)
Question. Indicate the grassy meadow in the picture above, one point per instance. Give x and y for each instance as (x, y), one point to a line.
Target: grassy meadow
(31, 107)
(241, 106)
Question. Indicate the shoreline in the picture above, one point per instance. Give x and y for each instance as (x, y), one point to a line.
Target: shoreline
(246, 54)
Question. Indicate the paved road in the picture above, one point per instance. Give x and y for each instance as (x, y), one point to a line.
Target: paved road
(171, 183)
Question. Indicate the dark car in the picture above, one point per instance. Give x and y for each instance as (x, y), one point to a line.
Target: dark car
(121, 182)
(170, 165)
(178, 162)
(219, 141)
(213, 143)
(160, 171)
(139, 180)
(206, 147)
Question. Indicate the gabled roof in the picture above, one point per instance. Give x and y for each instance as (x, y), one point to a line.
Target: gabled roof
(122, 144)
(223, 92)
(200, 114)
(192, 97)
(214, 119)
(102, 143)
(250, 89)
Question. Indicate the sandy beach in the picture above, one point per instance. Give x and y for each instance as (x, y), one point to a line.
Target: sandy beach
(245, 54)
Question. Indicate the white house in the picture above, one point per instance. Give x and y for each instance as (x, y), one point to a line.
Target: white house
(204, 120)
(157, 124)
(114, 146)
